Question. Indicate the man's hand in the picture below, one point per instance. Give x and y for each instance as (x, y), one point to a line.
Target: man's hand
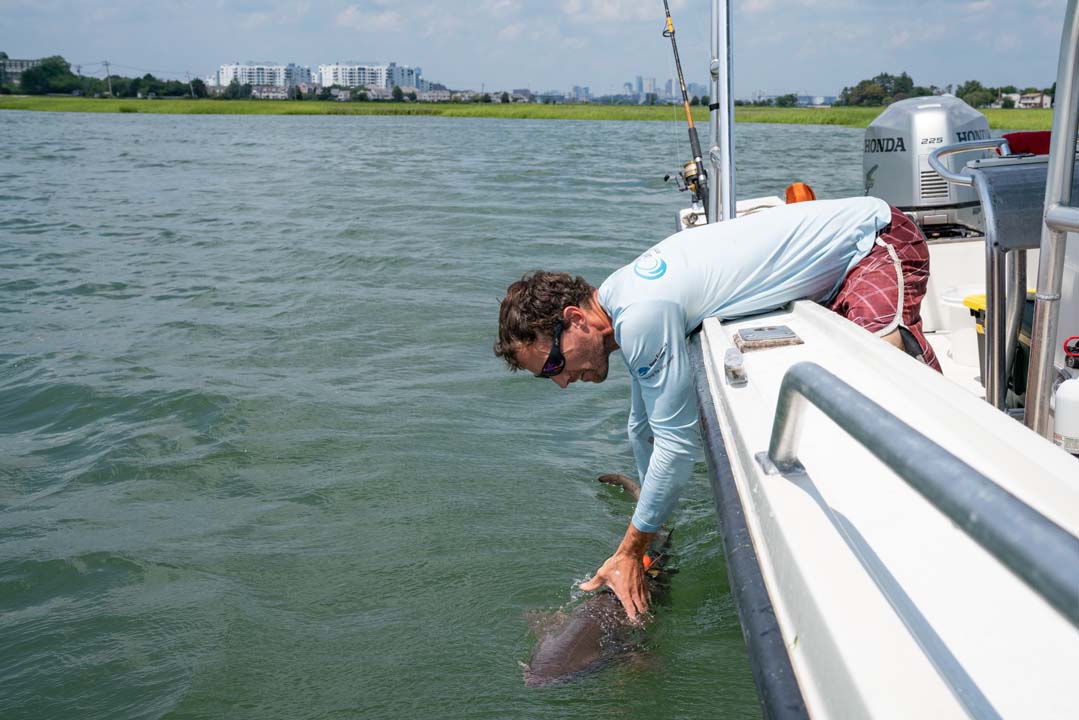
(624, 573)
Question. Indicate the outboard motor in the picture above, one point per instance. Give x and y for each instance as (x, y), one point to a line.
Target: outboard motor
(896, 168)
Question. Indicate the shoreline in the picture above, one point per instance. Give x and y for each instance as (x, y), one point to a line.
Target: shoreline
(855, 117)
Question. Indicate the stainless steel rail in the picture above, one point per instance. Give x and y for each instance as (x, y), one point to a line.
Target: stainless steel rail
(1005, 279)
(1062, 218)
(958, 178)
(1032, 546)
(1059, 218)
(1006, 296)
(722, 197)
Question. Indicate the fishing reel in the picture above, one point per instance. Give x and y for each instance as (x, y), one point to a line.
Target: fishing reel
(688, 179)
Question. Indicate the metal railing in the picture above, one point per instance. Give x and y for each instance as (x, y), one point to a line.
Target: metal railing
(955, 178)
(1059, 218)
(722, 199)
(1044, 555)
(1005, 277)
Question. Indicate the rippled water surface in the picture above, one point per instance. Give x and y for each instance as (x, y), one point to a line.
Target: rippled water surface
(256, 457)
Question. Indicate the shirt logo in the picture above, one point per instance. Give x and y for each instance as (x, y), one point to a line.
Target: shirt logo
(650, 266)
(658, 363)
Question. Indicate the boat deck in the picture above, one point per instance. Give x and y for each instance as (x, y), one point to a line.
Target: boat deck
(887, 609)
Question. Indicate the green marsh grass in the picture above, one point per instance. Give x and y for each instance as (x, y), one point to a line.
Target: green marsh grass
(844, 116)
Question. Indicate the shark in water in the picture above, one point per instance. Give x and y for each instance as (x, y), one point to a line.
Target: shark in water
(596, 631)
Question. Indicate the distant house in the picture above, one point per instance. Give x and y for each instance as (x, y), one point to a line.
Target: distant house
(435, 96)
(340, 94)
(999, 102)
(269, 92)
(1035, 100)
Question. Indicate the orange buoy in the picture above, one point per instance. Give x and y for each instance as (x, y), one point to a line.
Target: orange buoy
(799, 192)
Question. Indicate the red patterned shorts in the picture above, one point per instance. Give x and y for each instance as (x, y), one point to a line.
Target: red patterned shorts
(870, 292)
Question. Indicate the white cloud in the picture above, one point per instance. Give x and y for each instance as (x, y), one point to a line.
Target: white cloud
(900, 40)
(430, 22)
(1006, 41)
(255, 20)
(104, 14)
(301, 9)
(511, 32)
(355, 18)
(834, 5)
(615, 11)
(501, 8)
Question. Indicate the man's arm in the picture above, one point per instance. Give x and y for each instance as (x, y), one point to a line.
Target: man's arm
(654, 346)
(662, 369)
(624, 573)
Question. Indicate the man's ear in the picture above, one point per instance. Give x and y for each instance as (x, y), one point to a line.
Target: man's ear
(573, 316)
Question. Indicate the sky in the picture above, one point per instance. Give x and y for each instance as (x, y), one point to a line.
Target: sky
(813, 47)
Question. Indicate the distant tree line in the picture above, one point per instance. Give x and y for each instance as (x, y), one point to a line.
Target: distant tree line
(884, 89)
(53, 75)
(788, 100)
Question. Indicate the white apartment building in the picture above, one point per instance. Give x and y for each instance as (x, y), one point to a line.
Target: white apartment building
(265, 74)
(11, 70)
(371, 76)
(349, 75)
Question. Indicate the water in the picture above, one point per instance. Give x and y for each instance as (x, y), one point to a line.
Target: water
(256, 457)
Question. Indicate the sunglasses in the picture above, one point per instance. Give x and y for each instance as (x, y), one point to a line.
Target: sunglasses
(556, 362)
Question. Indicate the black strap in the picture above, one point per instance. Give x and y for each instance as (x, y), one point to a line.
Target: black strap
(910, 343)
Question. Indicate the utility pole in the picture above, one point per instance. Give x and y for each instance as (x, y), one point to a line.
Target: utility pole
(108, 75)
(190, 86)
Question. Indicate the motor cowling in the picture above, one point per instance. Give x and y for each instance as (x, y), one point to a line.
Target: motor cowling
(895, 160)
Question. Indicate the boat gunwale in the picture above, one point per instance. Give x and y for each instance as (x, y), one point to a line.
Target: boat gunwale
(777, 684)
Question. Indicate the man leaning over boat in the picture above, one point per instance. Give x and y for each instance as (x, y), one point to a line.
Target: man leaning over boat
(861, 257)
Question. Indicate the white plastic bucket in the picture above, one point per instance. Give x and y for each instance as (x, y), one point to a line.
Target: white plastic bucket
(957, 320)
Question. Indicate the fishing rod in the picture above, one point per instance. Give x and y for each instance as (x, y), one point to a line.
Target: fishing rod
(693, 173)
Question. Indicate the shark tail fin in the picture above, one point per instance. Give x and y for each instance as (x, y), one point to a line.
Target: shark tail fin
(630, 486)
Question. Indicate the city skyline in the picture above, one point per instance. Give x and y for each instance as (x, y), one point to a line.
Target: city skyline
(812, 47)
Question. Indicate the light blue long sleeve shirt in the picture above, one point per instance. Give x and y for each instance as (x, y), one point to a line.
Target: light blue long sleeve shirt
(740, 267)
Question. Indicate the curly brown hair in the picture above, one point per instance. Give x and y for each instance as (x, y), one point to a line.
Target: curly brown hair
(532, 306)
